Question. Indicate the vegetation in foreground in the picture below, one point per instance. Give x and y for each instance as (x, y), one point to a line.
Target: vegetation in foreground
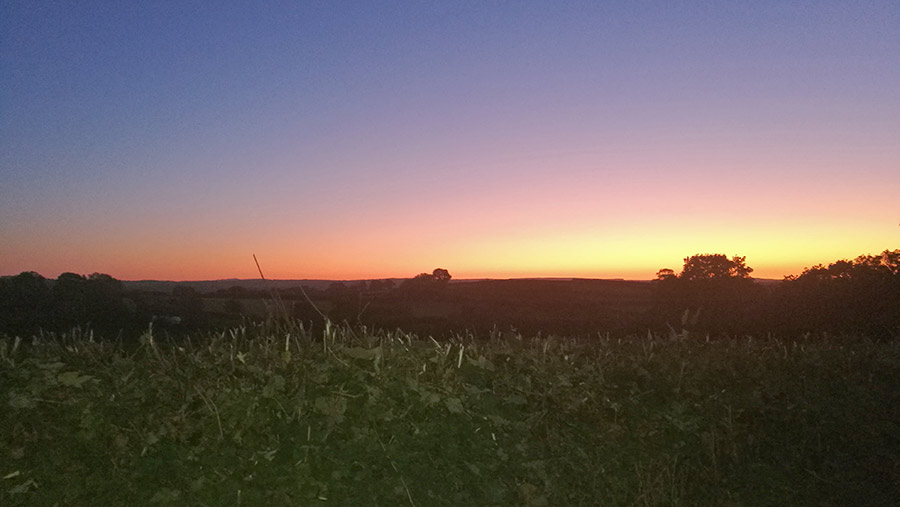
(348, 417)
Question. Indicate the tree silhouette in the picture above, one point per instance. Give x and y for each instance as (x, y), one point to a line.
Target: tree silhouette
(425, 284)
(665, 274)
(441, 275)
(846, 296)
(105, 309)
(715, 292)
(25, 302)
(714, 267)
(70, 300)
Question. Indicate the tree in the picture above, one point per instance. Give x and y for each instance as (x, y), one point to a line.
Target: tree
(665, 274)
(858, 296)
(441, 275)
(716, 292)
(70, 299)
(25, 302)
(714, 267)
(104, 307)
(30, 286)
(104, 286)
(427, 283)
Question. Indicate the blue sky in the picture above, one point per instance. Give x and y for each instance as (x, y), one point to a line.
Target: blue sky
(170, 139)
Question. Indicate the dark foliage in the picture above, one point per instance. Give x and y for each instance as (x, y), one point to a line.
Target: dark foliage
(714, 294)
(25, 301)
(862, 295)
(427, 283)
(29, 302)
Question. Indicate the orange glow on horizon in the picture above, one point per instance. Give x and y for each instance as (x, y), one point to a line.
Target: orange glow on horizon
(623, 223)
(633, 255)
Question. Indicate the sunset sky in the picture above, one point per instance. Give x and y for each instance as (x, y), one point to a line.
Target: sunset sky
(347, 140)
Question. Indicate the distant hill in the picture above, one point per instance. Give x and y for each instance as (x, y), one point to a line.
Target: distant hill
(206, 286)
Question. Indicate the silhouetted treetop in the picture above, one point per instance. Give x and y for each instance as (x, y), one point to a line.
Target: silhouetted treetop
(441, 275)
(712, 292)
(714, 267)
(847, 296)
(665, 274)
(29, 302)
(104, 285)
(427, 283)
(885, 264)
(70, 279)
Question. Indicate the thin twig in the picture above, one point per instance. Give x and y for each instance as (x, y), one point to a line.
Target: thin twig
(302, 291)
(272, 292)
(212, 408)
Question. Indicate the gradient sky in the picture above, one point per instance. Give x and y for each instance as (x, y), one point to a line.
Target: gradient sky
(344, 140)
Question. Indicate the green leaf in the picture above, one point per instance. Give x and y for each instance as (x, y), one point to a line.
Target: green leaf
(516, 399)
(121, 440)
(499, 421)
(429, 397)
(165, 495)
(454, 405)
(20, 401)
(52, 366)
(332, 407)
(25, 487)
(361, 353)
(73, 379)
(482, 363)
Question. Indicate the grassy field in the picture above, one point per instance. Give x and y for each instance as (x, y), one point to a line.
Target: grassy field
(256, 416)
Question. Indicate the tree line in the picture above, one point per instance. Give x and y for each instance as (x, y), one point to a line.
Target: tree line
(715, 294)
(711, 294)
(30, 303)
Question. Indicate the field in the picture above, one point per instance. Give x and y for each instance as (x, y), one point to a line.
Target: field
(567, 307)
(341, 416)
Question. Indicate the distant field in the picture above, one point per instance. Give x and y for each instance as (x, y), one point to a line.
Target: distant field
(204, 286)
(280, 416)
(529, 305)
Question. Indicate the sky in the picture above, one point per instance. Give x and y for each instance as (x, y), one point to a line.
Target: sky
(352, 140)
